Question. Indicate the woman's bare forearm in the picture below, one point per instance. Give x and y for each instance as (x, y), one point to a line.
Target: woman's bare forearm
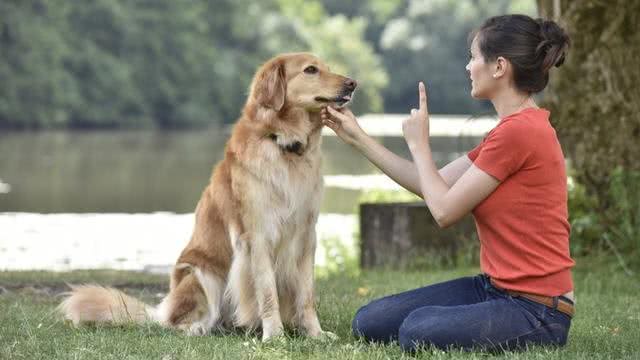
(404, 171)
(396, 167)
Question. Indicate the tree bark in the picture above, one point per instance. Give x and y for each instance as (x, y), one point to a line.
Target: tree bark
(404, 235)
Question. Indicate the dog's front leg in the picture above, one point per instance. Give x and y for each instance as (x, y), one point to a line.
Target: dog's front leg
(265, 287)
(305, 299)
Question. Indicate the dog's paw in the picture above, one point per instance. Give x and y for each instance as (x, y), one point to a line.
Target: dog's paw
(271, 333)
(326, 336)
(197, 329)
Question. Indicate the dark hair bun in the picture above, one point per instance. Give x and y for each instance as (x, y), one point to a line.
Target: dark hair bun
(554, 45)
(533, 46)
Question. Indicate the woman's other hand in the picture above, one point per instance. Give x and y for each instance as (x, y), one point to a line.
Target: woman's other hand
(343, 123)
(416, 127)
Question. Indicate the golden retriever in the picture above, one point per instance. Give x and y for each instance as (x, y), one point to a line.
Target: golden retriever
(250, 260)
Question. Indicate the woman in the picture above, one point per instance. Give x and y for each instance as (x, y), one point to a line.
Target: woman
(514, 183)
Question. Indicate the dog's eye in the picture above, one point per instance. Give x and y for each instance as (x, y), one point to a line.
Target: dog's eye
(311, 70)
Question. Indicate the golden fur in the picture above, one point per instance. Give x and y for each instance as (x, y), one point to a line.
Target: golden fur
(250, 259)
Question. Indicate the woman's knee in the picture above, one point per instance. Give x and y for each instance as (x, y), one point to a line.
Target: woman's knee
(423, 329)
(362, 323)
(357, 320)
(370, 324)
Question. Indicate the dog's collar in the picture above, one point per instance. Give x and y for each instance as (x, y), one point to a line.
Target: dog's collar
(294, 148)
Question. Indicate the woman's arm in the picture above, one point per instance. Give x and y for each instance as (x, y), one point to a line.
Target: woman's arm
(447, 203)
(452, 172)
(397, 168)
(450, 203)
(401, 170)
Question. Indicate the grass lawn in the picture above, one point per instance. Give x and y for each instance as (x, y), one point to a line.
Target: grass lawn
(607, 324)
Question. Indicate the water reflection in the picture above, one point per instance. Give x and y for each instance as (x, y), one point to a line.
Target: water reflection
(147, 171)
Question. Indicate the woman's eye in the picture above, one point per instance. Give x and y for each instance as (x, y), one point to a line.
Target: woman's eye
(311, 69)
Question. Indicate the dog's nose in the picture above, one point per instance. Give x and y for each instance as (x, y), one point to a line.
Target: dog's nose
(350, 84)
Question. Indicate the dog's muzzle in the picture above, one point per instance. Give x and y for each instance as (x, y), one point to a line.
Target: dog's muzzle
(345, 95)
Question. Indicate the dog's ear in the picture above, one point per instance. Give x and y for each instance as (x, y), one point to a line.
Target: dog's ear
(271, 86)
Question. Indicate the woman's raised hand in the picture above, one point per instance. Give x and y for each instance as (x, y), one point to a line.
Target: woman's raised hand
(343, 123)
(416, 127)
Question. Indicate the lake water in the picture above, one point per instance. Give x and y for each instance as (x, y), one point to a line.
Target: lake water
(124, 199)
(147, 171)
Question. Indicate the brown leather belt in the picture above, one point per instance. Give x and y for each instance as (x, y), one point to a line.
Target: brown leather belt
(549, 301)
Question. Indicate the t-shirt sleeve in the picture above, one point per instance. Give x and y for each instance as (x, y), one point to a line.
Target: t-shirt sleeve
(504, 151)
(473, 154)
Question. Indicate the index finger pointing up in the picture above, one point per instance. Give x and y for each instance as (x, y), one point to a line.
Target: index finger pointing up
(423, 97)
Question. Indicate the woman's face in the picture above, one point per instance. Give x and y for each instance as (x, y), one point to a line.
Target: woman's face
(481, 73)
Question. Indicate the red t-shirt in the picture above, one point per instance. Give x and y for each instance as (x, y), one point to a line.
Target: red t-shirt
(523, 225)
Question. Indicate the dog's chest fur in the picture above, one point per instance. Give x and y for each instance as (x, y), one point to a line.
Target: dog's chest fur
(281, 194)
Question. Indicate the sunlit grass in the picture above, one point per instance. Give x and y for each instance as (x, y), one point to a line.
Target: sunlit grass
(606, 326)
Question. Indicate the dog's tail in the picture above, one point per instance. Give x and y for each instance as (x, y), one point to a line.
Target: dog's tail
(98, 304)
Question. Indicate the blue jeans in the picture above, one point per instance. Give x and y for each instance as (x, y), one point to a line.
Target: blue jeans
(467, 313)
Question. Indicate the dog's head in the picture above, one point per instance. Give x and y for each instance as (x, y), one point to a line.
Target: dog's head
(300, 80)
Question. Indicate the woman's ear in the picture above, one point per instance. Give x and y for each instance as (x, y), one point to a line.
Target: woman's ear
(270, 87)
(500, 67)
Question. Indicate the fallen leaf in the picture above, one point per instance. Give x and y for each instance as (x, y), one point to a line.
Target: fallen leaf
(363, 291)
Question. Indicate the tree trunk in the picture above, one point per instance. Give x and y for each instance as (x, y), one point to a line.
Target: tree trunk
(404, 235)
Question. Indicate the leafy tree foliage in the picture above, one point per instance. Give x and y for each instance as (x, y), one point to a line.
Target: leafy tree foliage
(428, 41)
(186, 63)
(167, 63)
(36, 89)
